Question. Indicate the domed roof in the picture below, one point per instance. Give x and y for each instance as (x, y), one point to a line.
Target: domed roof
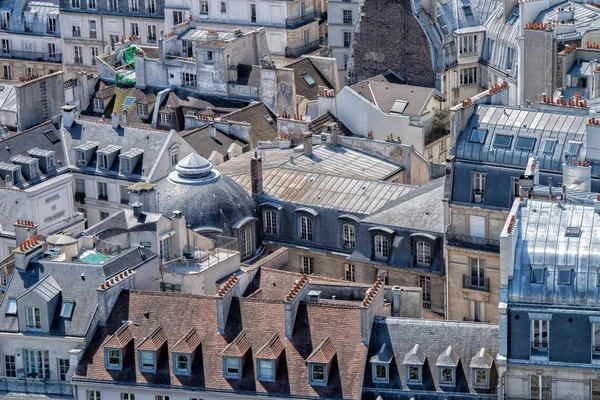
(207, 199)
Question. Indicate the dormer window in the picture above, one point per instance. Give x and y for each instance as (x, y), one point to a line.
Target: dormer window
(266, 370)
(147, 361)
(468, 44)
(142, 110)
(380, 365)
(181, 364)
(382, 246)
(481, 378)
(306, 228)
(423, 253)
(481, 364)
(34, 319)
(233, 356)
(232, 368)
(67, 309)
(447, 376)
(51, 162)
(413, 364)
(319, 363)
(267, 358)
(113, 358)
(125, 166)
(165, 119)
(98, 105)
(80, 157)
(447, 363)
(11, 308)
(318, 374)
(103, 161)
(414, 374)
(33, 170)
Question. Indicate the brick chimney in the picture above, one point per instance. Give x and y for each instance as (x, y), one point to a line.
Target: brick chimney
(291, 303)
(256, 174)
(371, 305)
(223, 297)
(307, 144)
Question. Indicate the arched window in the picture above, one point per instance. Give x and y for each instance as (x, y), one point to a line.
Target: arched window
(423, 253)
(382, 246)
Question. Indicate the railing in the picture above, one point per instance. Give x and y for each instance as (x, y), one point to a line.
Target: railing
(471, 242)
(35, 386)
(476, 283)
(204, 254)
(182, 59)
(31, 55)
(298, 51)
(292, 23)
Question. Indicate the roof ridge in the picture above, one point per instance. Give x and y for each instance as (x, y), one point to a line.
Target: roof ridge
(25, 131)
(253, 104)
(166, 294)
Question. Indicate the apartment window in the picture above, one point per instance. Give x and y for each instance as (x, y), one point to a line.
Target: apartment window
(414, 373)
(468, 76)
(382, 246)
(253, 13)
(151, 33)
(539, 337)
(349, 236)
(266, 370)
(5, 46)
(79, 186)
(93, 395)
(103, 215)
(143, 110)
(80, 158)
(77, 54)
(189, 80)
(318, 374)
(133, 5)
(76, 30)
(102, 191)
(302, 8)
(247, 247)
(306, 265)
(305, 37)
(208, 56)
(478, 187)
(306, 231)
(174, 158)
(477, 311)
(91, 4)
(113, 5)
(595, 389)
(350, 272)
(347, 17)
(34, 318)
(6, 72)
(63, 368)
(347, 37)
(181, 363)
(477, 278)
(481, 378)
(5, 19)
(204, 7)
(516, 188)
(423, 253)
(223, 7)
(51, 50)
(124, 195)
(468, 44)
(540, 387)
(151, 7)
(10, 366)
(37, 364)
(510, 58)
(270, 222)
(127, 396)
(147, 361)
(98, 105)
(165, 119)
(232, 368)
(177, 17)
(596, 341)
(75, 4)
(94, 54)
(425, 285)
(51, 25)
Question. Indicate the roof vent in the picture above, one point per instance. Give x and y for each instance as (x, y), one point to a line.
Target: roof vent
(573, 231)
(313, 296)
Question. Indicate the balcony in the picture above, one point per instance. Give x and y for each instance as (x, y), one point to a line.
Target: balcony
(476, 283)
(296, 52)
(32, 55)
(293, 23)
(35, 386)
(474, 243)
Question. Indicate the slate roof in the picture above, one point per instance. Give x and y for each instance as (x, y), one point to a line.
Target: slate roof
(258, 320)
(504, 35)
(46, 288)
(433, 338)
(203, 144)
(132, 258)
(543, 243)
(13, 206)
(304, 66)
(585, 19)
(254, 114)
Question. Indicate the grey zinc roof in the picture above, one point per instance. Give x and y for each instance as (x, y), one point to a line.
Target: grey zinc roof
(543, 243)
(401, 335)
(122, 220)
(12, 207)
(131, 258)
(585, 19)
(46, 289)
(504, 34)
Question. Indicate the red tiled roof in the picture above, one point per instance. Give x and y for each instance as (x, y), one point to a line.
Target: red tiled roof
(239, 347)
(272, 349)
(188, 343)
(120, 338)
(154, 341)
(322, 354)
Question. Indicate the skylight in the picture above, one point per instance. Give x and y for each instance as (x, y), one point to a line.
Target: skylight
(573, 148)
(309, 79)
(537, 275)
(467, 10)
(52, 137)
(549, 145)
(564, 276)
(503, 140)
(573, 231)
(12, 307)
(66, 309)
(525, 143)
(399, 107)
(129, 101)
(478, 136)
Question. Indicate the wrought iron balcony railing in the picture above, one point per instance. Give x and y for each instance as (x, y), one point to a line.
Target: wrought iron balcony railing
(474, 243)
(298, 51)
(35, 386)
(476, 283)
(292, 23)
(31, 55)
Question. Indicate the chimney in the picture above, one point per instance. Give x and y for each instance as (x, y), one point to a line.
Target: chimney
(24, 230)
(180, 238)
(224, 297)
(27, 250)
(8, 182)
(124, 117)
(137, 209)
(256, 174)
(144, 193)
(68, 115)
(307, 144)
(597, 204)
(371, 305)
(115, 120)
(396, 301)
(212, 130)
(291, 303)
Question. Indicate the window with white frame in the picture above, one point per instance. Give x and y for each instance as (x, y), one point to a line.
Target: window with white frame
(350, 272)
(174, 158)
(539, 337)
(540, 387)
(595, 389)
(95, 53)
(125, 165)
(78, 54)
(113, 358)
(51, 47)
(11, 308)
(270, 222)
(37, 364)
(478, 187)
(203, 7)
(103, 215)
(113, 5)
(34, 319)
(447, 376)
(414, 374)
(306, 231)
(381, 372)
(223, 7)
(66, 310)
(75, 4)
(232, 368)
(382, 246)
(91, 4)
(147, 361)
(246, 238)
(181, 364)
(134, 29)
(127, 396)
(423, 253)
(481, 377)
(3, 280)
(124, 194)
(79, 185)
(188, 80)
(347, 17)
(93, 395)
(151, 38)
(75, 29)
(347, 38)
(63, 368)
(252, 13)
(5, 19)
(10, 366)
(468, 76)
(177, 17)
(6, 72)
(349, 236)
(425, 285)
(143, 110)
(306, 265)
(103, 161)
(468, 44)
(266, 370)
(51, 25)
(133, 6)
(102, 191)
(317, 374)
(165, 119)
(151, 7)
(5, 46)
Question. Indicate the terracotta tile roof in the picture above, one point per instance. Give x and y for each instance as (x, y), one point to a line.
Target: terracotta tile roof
(322, 354)
(154, 341)
(188, 343)
(120, 338)
(272, 349)
(239, 347)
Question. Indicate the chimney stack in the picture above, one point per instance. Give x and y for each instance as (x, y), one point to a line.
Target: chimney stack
(307, 144)
(256, 174)
(115, 120)
(212, 130)
(137, 209)
(124, 117)
(68, 115)
(597, 204)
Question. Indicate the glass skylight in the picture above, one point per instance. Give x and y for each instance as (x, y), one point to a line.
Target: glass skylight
(478, 136)
(503, 140)
(129, 101)
(525, 143)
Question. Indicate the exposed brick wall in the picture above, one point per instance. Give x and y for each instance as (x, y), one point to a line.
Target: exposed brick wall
(391, 38)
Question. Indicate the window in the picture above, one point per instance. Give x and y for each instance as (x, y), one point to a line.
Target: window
(425, 285)
(125, 166)
(5, 19)
(37, 364)
(170, 287)
(161, 397)
(51, 25)
(113, 39)
(305, 37)
(347, 37)
(539, 337)
(468, 44)
(480, 377)
(94, 54)
(573, 231)
(34, 318)
(208, 56)
(113, 5)
(477, 310)
(67, 309)
(350, 272)
(252, 13)
(177, 17)
(12, 307)
(423, 253)
(413, 374)
(232, 368)
(223, 7)
(10, 366)
(564, 276)
(189, 80)
(134, 29)
(266, 370)
(151, 34)
(51, 50)
(6, 72)
(468, 76)
(133, 6)
(318, 374)
(382, 246)
(5, 46)
(63, 368)
(478, 135)
(549, 145)
(77, 54)
(380, 372)
(349, 240)
(306, 264)
(246, 239)
(596, 341)
(503, 140)
(595, 389)
(79, 184)
(151, 7)
(525, 143)
(143, 110)
(76, 29)
(309, 79)
(123, 194)
(127, 396)
(204, 7)
(147, 361)
(516, 187)
(347, 17)
(92, 4)
(3, 280)
(270, 222)
(103, 161)
(447, 376)
(181, 364)
(537, 274)
(540, 387)
(174, 158)
(306, 232)
(75, 4)
(102, 191)
(477, 278)
(478, 187)
(93, 395)
(165, 119)
(112, 358)
(510, 58)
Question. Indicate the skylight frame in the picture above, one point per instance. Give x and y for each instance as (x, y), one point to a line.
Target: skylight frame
(310, 81)
(535, 271)
(502, 136)
(564, 276)
(11, 308)
(527, 139)
(573, 148)
(482, 132)
(66, 310)
(550, 145)
(129, 101)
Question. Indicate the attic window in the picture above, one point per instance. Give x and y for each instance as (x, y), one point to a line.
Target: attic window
(414, 373)
(503, 140)
(266, 370)
(113, 358)
(525, 143)
(147, 361)
(232, 368)
(181, 364)
(447, 376)
(467, 10)
(573, 148)
(480, 377)
(128, 101)
(12, 307)
(549, 146)
(309, 79)
(399, 107)
(573, 231)
(478, 135)
(537, 274)
(564, 276)
(52, 137)
(125, 165)
(317, 374)
(80, 157)
(67, 309)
